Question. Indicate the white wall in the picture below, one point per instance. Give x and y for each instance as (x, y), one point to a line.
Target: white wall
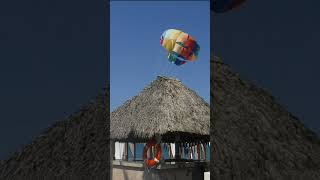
(207, 175)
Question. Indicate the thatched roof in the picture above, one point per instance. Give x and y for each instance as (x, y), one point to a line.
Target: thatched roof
(167, 108)
(253, 136)
(75, 148)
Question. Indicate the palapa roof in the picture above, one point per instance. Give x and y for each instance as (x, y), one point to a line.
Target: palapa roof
(166, 107)
(74, 148)
(253, 136)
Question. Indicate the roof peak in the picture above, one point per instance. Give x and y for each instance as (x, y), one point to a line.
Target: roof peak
(167, 78)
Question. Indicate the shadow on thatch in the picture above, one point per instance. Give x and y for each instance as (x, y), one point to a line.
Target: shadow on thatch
(76, 148)
(253, 137)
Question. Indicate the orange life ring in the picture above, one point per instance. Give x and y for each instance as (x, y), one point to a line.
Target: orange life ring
(152, 162)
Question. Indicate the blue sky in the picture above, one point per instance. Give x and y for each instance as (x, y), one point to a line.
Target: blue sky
(136, 57)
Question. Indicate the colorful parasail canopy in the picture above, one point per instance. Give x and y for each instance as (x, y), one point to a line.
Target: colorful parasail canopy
(220, 6)
(181, 46)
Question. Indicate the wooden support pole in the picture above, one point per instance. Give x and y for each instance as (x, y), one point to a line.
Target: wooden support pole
(177, 147)
(113, 151)
(134, 151)
(127, 151)
(198, 151)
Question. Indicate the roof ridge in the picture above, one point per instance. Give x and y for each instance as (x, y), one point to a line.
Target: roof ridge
(167, 78)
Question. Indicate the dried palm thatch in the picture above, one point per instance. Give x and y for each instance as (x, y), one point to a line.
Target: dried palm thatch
(253, 137)
(167, 108)
(76, 148)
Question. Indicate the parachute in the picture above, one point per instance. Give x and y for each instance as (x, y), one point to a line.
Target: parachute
(181, 46)
(220, 6)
